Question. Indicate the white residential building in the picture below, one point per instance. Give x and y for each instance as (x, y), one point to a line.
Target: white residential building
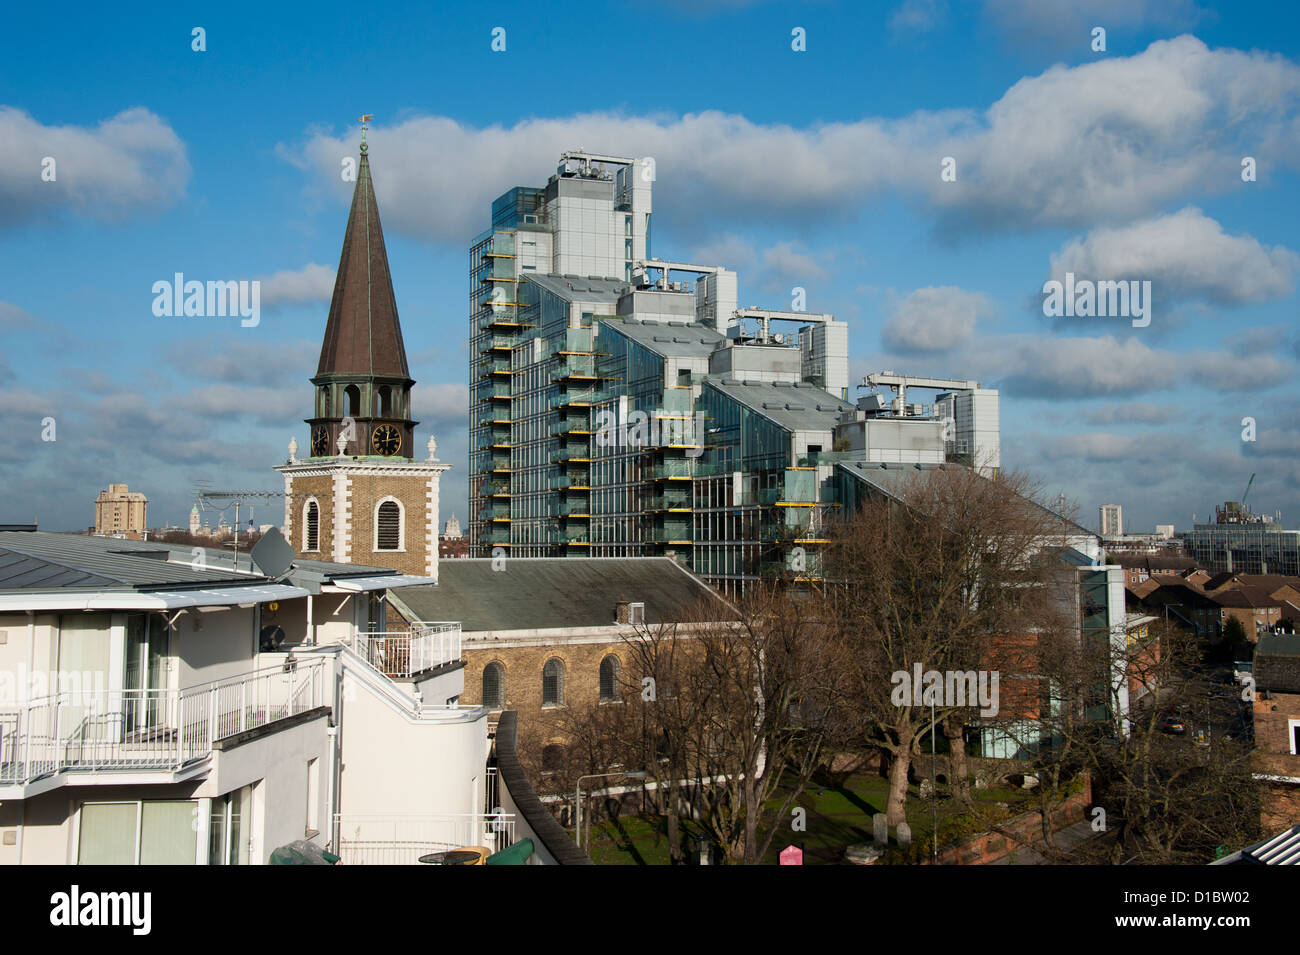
(156, 711)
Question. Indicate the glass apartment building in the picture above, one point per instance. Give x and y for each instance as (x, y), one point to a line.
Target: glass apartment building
(612, 415)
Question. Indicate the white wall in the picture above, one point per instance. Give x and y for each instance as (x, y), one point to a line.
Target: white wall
(213, 646)
(392, 764)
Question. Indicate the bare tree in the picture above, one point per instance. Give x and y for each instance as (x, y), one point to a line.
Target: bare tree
(1164, 797)
(951, 573)
(723, 714)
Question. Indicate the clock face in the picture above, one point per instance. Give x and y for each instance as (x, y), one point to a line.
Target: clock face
(386, 439)
(320, 441)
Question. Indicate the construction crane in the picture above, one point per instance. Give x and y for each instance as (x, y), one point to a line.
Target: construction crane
(1247, 494)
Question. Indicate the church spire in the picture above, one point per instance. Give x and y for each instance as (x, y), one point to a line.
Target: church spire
(363, 335)
(363, 385)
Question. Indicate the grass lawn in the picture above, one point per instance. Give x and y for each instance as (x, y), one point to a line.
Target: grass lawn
(837, 816)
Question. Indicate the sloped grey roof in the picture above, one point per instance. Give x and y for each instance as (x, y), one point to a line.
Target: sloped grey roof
(891, 479)
(40, 560)
(220, 557)
(669, 339)
(792, 405)
(573, 288)
(543, 593)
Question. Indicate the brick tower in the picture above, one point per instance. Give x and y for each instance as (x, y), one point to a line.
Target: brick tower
(361, 497)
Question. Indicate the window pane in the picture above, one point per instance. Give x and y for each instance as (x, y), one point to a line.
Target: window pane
(167, 832)
(239, 806)
(107, 834)
(217, 832)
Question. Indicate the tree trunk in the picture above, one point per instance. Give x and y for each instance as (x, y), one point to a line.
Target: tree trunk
(674, 830)
(958, 768)
(749, 854)
(896, 808)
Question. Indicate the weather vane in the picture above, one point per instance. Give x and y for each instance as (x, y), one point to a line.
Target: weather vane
(365, 118)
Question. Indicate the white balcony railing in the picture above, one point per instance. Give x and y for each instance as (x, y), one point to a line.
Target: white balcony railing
(401, 838)
(406, 653)
(149, 730)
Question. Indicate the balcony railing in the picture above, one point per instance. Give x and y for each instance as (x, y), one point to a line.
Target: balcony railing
(406, 653)
(401, 838)
(149, 730)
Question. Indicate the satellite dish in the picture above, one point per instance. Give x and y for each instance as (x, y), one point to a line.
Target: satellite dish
(272, 555)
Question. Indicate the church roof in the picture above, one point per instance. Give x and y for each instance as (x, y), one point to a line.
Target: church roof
(363, 336)
(548, 593)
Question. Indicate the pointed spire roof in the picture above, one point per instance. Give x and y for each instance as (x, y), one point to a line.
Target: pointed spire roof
(363, 336)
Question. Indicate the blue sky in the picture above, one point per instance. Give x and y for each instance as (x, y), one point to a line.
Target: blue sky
(818, 168)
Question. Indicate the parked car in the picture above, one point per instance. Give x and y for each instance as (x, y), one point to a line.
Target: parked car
(1175, 725)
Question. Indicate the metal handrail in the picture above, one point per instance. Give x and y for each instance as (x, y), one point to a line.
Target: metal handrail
(149, 730)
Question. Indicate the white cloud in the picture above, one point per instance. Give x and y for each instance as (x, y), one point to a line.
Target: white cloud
(220, 359)
(728, 250)
(917, 16)
(1058, 24)
(1066, 368)
(11, 316)
(440, 407)
(935, 319)
(1100, 142)
(1254, 341)
(311, 283)
(1184, 255)
(785, 265)
(130, 163)
(1133, 412)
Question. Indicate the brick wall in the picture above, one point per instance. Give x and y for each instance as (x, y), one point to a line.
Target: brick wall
(523, 677)
(1271, 724)
(1025, 828)
(1279, 801)
(412, 491)
(321, 488)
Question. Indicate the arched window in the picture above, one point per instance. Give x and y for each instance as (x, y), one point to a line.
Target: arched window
(384, 402)
(609, 689)
(353, 396)
(494, 686)
(388, 525)
(553, 683)
(311, 526)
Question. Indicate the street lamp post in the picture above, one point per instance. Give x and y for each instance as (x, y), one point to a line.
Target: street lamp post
(577, 797)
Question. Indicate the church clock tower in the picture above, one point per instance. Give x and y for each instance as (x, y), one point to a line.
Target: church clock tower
(361, 496)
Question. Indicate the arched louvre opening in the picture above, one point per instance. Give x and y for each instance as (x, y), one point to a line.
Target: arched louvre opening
(311, 529)
(388, 524)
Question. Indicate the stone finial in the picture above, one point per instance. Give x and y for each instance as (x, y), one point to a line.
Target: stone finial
(342, 443)
(293, 450)
(433, 448)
